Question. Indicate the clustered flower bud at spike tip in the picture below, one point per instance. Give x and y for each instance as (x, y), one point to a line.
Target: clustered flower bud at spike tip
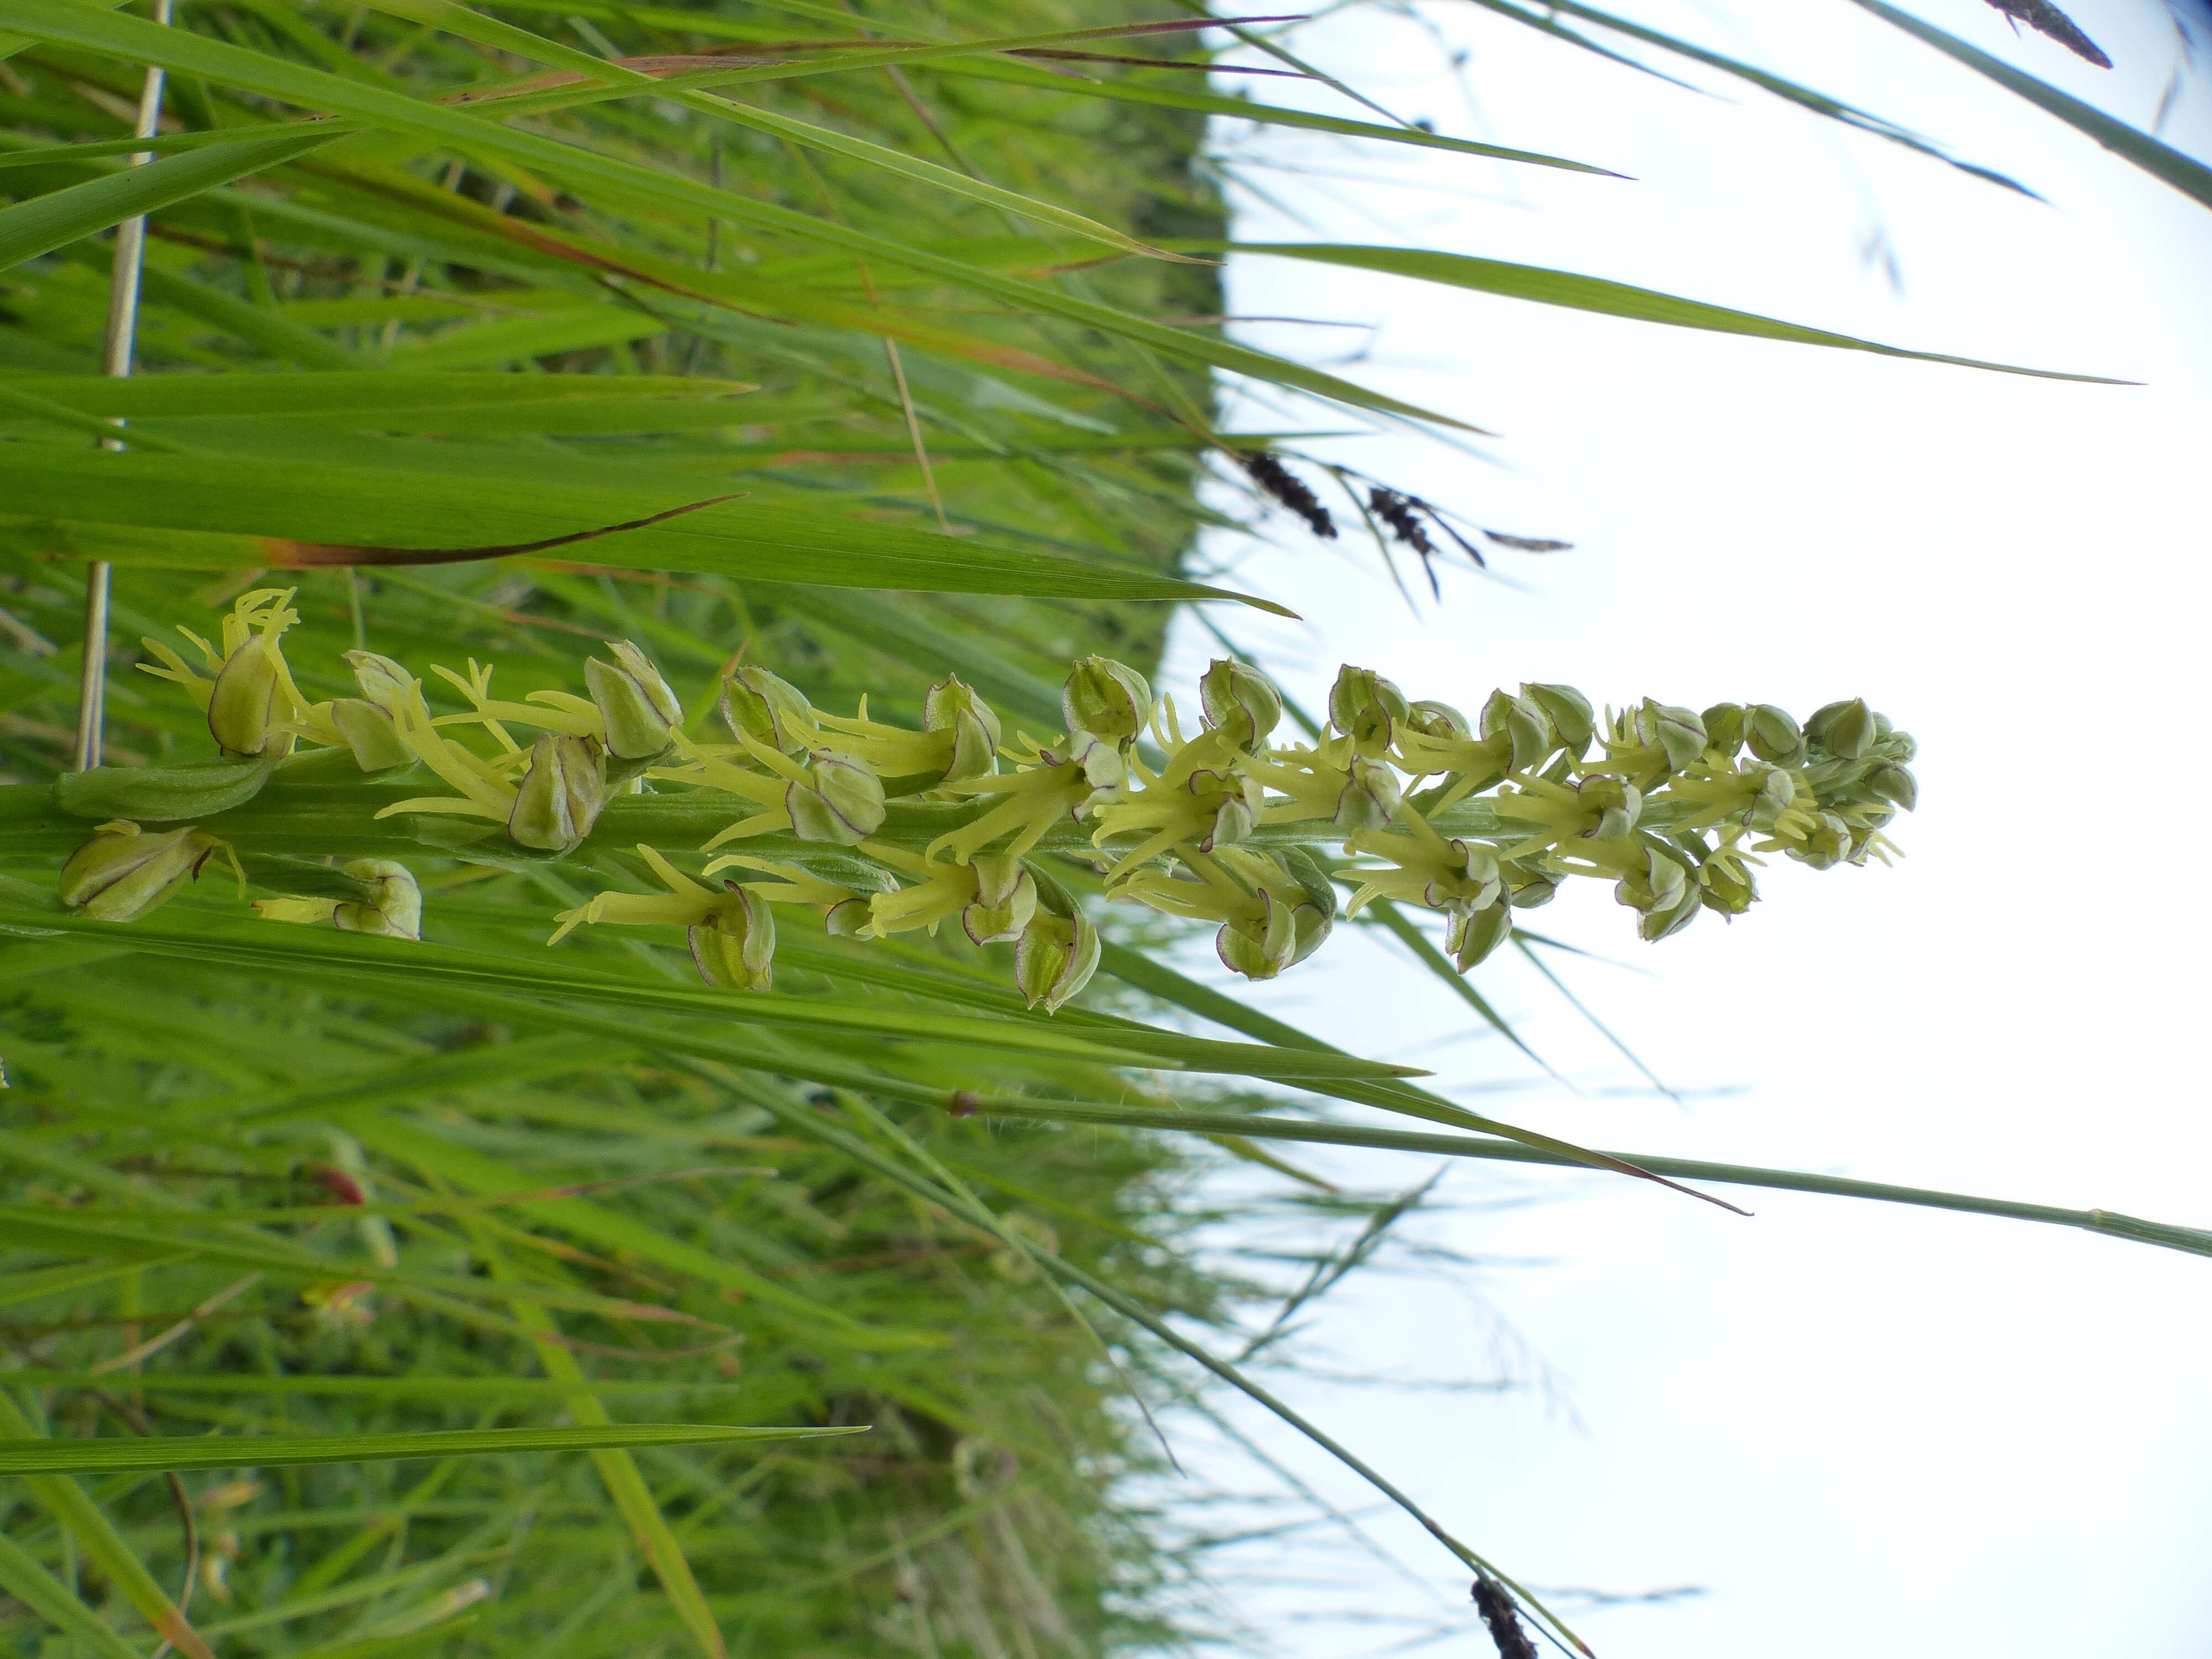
(1470, 820)
(123, 873)
(1107, 700)
(638, 708)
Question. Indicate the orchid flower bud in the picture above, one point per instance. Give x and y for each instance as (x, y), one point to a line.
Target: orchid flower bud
(639, 709)
(1470, 934)
(1778, 794)
(1773, 734)
(369, 733)
(1574, 722)
(1367, 708)
(1724, 728)
(1005, 899)
(1845, 730)
(395, 908)
(1054, 959)
(1827, 844)
(1478, 881)
(1894, 783)
(846, 918)
(1618, 803)
(841, 802)
(1675, 732)
(1241, 701)
(382, 681)
(122, 872)
(251, 700)
(1525, 725)
(1370, 796)
(733, 946)
(954, 708)
(1107, 700)
(1234, 818)
(559, 798)
(769, 710)
(1658, 923)
(1431, 719)
(1526, 886)
(1658, 886)
(1727, 886)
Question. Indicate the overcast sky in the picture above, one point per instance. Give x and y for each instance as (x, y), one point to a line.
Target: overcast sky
(1858, 1428)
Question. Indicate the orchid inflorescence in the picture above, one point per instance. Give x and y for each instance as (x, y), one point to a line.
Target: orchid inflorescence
(1406, 801)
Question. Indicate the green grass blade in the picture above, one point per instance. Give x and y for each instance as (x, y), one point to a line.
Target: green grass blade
(53, 221)
(2195, 1241)
(2162, 161)
(1425, 952)
(22, 1577)
(1245, 109)
(63, 22)
(411, 968)
(352, 513)
(1789, 91)
(46, 1463)
(1606, 298)
(51, 1457)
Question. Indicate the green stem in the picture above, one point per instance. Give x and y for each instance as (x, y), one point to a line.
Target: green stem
(339, 820)
(2192, 1240)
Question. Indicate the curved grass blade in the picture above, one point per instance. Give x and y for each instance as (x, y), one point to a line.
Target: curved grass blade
(1244, 109)
(1423, 949)
(472, 25)
(55, 220)
(418, 969)
(1606, 298)
(22, 1577)
(2162, 161)
(85, 1522)
(960, 1204)
(255, 512)
(2194, 1241)
(1135, 968)
(434, 1387)
(49, 1457)
(63, 22)
(1804, 97)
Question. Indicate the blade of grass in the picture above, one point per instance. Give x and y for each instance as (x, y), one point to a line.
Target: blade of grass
(61, 1457)
(47, 1464)
(2191, 1240)
(2162, 161)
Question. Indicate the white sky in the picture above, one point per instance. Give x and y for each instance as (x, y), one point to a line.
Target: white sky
(1861, 1428)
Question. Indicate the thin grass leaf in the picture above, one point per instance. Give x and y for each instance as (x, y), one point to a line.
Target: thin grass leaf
(2162, 161)
(2194, 1241)
(1606, 298)
(1791, 92)
(46, 1464)
(51, 1457)
(22, 1577)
